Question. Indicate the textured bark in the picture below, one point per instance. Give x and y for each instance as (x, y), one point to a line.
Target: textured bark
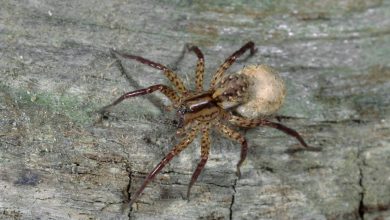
(58, 161)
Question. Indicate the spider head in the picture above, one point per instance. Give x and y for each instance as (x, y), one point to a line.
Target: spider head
(198, 106)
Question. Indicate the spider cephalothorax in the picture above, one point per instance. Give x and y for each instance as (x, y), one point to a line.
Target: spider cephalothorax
(237, 100)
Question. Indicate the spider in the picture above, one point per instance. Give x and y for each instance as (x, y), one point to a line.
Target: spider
(199, 110)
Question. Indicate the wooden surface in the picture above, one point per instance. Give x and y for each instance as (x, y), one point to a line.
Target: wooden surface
(56, 71)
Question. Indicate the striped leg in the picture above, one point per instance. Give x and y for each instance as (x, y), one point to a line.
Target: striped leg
(167, 91)
(177, 82)
(175, 151)
(250, 123)
(236, 136)
(199, 67)
(230, 60)
(205, 149)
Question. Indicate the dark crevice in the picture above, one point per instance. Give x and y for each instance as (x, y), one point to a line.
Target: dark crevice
(361, 209)
(346, 121)
(233, 197)
(281, 118)
(127, 193)
(177, 183)
(218, 185)
(361, 203)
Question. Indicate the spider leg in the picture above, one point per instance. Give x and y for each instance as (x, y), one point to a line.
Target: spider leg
(199, 67)
(234, 135)
(250, 123)
(230, 60)
(175, 151)
(177, 82)
(205, 149)
(167, 91)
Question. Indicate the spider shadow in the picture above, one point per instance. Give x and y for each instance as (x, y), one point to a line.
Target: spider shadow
(302, 149)
(152, 98)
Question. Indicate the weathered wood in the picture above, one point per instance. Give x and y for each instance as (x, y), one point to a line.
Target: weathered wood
(57, 161)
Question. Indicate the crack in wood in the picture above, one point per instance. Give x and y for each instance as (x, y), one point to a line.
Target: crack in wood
(233, 198)
(128, 193)
(361, 163)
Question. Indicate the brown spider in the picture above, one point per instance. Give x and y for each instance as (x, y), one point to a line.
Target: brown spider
(201, 110)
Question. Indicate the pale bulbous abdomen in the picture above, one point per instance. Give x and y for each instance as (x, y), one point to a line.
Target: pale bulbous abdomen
(266, 91)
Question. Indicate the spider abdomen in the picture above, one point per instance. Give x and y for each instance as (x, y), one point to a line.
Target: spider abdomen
(231, 91)
(255, 91)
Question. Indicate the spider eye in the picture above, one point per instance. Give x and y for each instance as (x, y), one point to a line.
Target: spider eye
(182, 110)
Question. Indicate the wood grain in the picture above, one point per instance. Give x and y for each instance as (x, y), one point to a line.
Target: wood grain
(57, 161)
